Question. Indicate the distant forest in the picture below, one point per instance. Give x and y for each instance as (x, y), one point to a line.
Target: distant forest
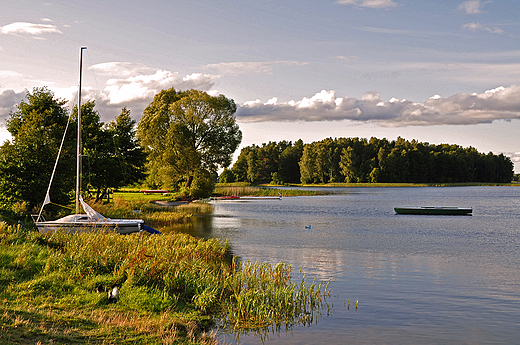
(362, 160)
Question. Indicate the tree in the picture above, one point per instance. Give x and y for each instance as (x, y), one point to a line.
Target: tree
(113, 157)
(26, 163)
(187, 133)
(227, 176)
(37, 126)
(308, 164)
(129, 151)
(289, 170)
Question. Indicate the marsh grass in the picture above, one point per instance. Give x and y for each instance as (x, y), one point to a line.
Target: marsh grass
(173, 287)
(262, 191)
(153, 214)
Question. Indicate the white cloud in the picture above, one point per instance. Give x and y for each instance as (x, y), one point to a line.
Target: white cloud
(470, 7)
(459, 109)
(515, 157)
(145, 86)
(126, 85)
(241, 68)
(134, 86)
(8, 101)
(11, 74)
(130, 81)
(29, 28)
(345, 58)
(479, 27)
(368, 3)
(121, 69)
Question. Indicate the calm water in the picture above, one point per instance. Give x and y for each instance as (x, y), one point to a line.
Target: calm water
(418, 279)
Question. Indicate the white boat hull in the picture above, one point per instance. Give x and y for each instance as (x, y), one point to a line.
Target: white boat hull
(82, 223)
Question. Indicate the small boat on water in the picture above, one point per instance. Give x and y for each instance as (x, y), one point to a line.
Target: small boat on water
(228, 197)
(234, 197)
(434, 210)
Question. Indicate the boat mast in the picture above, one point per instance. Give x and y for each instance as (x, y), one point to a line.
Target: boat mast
(79, 151)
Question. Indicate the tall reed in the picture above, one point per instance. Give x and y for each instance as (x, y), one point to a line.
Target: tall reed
(262, 191)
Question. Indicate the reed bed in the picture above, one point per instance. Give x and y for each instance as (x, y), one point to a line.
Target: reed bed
(262, 191)
(172, 289)
(153, 214)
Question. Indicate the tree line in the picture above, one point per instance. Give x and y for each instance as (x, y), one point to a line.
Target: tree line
(361, 160)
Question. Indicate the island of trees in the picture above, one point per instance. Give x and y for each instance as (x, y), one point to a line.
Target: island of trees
(357, 160)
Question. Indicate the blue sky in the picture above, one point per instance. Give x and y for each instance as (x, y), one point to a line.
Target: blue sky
(435, 71)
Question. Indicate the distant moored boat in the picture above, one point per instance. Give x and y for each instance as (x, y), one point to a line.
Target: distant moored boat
(434, 210)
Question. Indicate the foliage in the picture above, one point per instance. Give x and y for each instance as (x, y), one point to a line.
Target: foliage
(171, 288)
(26, 163)
(256, 164)
(37, 127)
(113, 157)
(187, 134)
(227, 176)
(358, 160)
(129, 151)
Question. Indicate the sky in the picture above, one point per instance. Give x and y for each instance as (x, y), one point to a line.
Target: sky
(445, 71)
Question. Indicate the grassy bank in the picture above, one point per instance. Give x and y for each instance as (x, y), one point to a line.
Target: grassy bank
(172, 289)
(135, 205)
(466, 184)
(246, 189)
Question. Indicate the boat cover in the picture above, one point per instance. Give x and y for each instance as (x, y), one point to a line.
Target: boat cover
(92, 214)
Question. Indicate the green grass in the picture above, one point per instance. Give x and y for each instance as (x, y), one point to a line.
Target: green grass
(366, 184)
(173, 289)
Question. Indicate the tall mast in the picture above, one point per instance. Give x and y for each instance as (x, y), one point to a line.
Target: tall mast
(79, 151)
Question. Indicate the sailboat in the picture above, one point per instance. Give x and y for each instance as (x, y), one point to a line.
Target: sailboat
(90, 220)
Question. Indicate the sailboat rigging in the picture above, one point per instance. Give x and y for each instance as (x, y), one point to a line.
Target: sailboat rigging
(90, 220)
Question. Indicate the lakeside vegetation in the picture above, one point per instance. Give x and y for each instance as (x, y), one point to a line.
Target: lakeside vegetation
(173, 289)
(246, 189)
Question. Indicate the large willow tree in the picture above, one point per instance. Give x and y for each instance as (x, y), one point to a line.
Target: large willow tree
(188, 135)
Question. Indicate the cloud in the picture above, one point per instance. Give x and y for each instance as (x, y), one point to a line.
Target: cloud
(459, 109)
(9, 99)
(139, 87)
(470, 7)
(242, 68)
(515, 157)
(345, 58)
(29, 29)
(121, 69)
(128, 85)
(388, 31)
(368, 3)
(134, 86)
(479, 27)
(11, 74)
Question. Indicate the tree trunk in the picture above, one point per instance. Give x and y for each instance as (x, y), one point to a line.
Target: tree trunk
(188, 182)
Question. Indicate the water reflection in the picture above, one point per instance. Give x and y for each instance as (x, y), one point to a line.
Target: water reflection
(418, 279)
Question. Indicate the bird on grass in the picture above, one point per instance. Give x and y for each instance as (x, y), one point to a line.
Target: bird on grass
(113, 295)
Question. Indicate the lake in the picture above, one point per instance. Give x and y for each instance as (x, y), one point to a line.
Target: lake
(417, 279)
